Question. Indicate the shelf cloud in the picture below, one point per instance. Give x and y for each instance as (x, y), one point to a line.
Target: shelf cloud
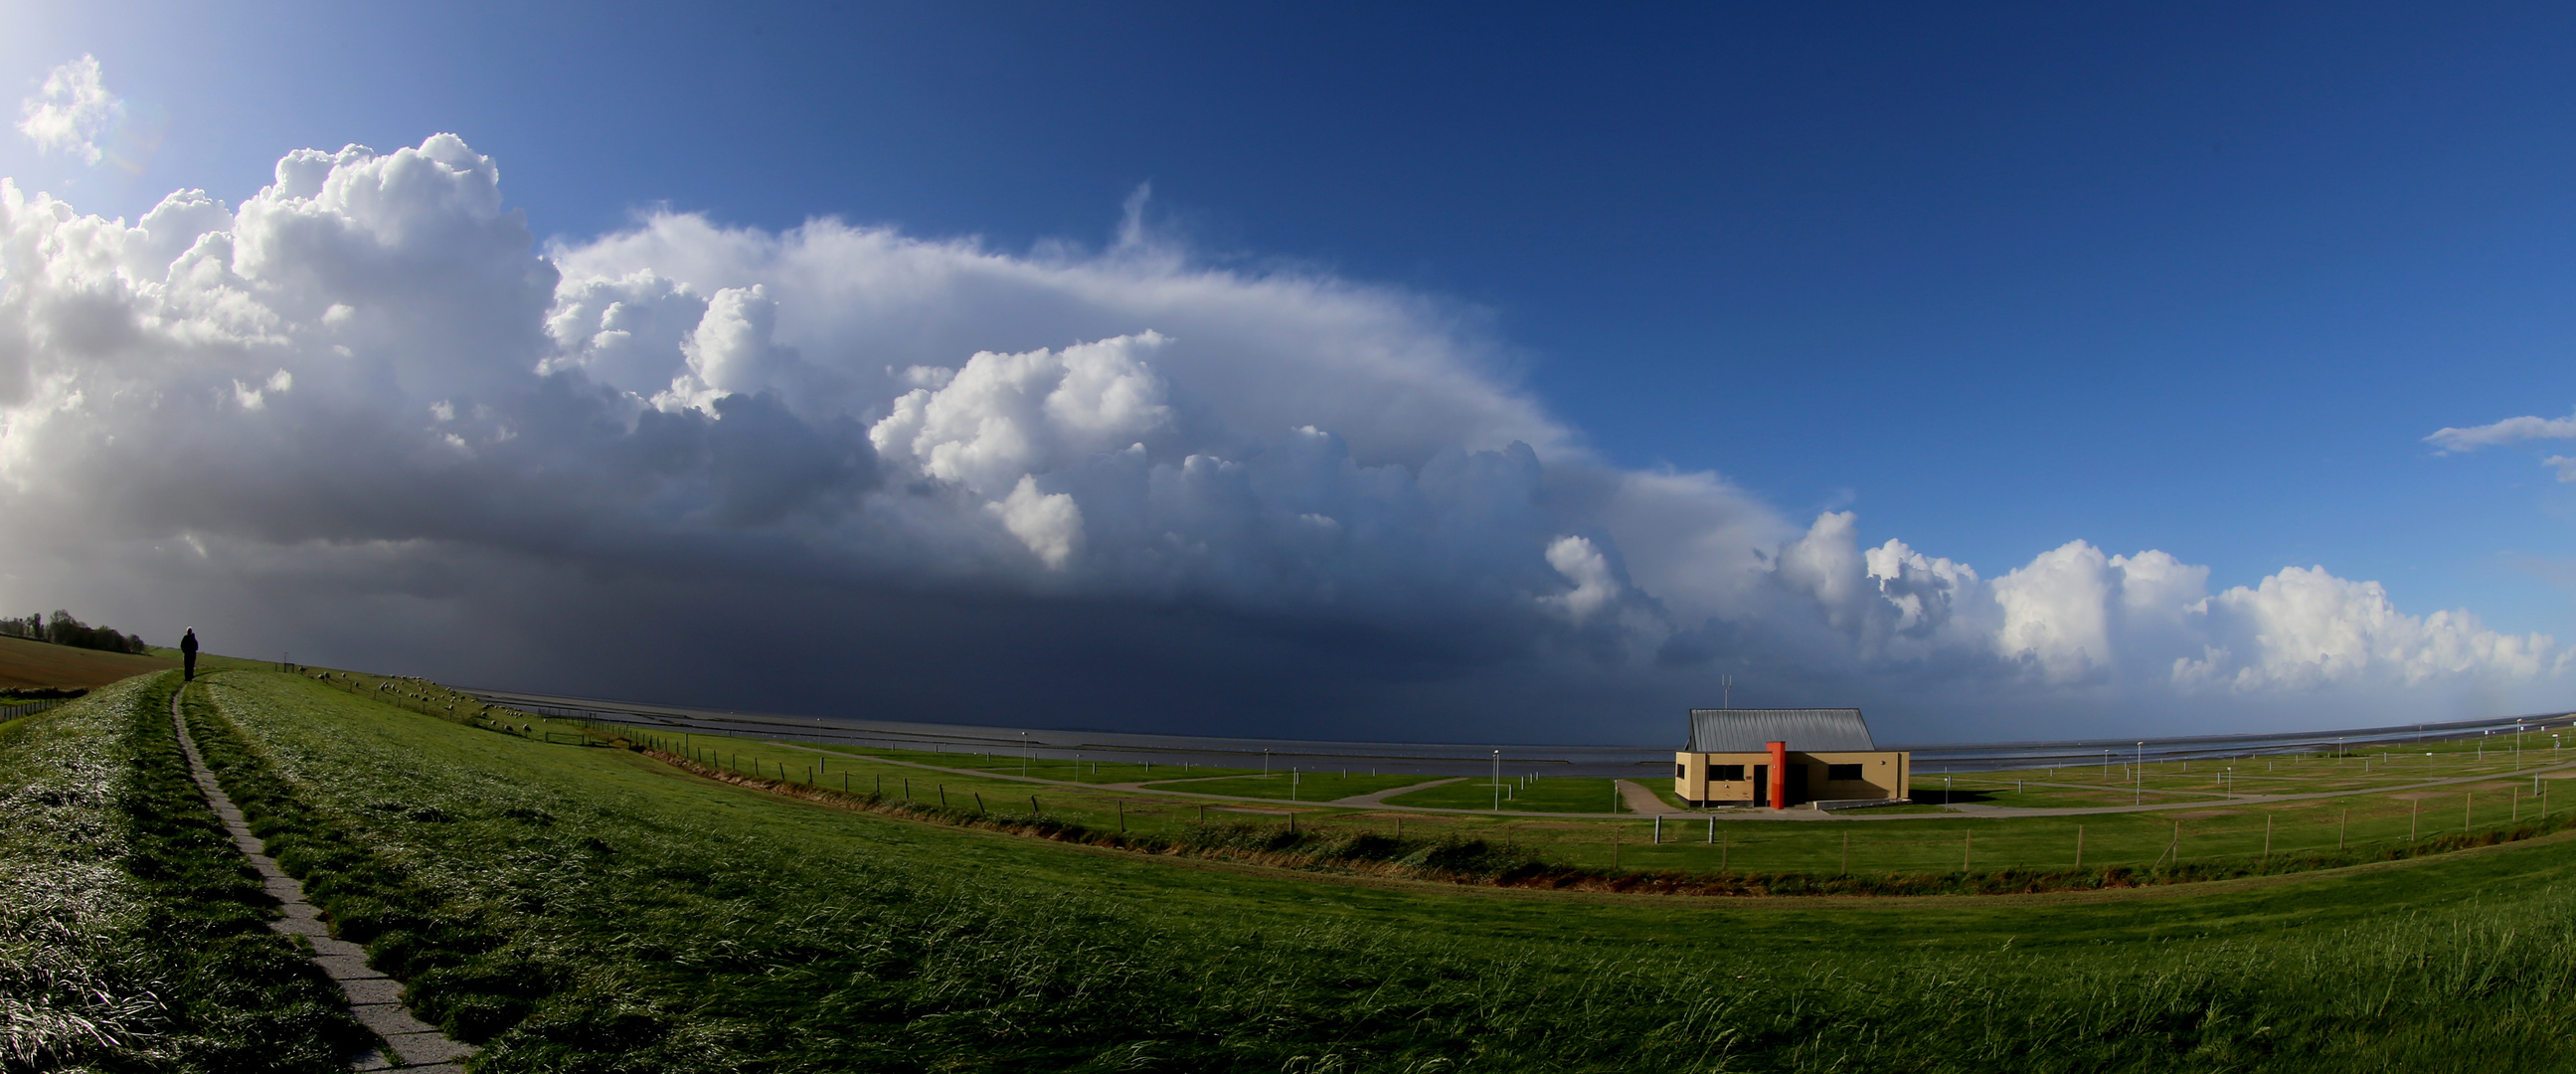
(364, 412)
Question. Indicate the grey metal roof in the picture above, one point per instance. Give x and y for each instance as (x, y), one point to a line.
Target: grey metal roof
(1753, 730)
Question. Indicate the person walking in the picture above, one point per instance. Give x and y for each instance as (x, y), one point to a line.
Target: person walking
(188, 656)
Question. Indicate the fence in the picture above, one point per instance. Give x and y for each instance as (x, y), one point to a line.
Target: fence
(31, 708)
(456, 707)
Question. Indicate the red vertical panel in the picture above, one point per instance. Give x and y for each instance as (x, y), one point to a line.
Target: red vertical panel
(1779, 775)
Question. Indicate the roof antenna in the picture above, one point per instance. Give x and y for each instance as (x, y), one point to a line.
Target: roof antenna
(1727, 683)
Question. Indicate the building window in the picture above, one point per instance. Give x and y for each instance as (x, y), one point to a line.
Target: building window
(1681, 771)
(1839, 772)
(1726, 773)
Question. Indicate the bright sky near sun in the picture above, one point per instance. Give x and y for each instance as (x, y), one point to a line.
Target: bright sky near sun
(1379, 369)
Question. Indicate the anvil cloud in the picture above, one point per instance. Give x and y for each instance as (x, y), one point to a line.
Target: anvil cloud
(365, 402)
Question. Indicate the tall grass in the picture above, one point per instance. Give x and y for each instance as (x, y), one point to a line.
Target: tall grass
(132, 935)
(72, 988)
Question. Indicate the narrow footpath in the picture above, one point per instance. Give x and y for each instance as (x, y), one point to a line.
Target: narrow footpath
(374, 998)
(1378, 798)
(1640, 800)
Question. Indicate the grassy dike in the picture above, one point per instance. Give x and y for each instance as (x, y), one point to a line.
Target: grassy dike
(133, 937)
(1478, 850)
(1863, 853)
(585, 909)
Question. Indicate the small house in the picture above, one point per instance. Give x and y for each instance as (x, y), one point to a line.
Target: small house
(1785, 757)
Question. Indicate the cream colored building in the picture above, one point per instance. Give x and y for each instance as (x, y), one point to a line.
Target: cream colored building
(1785, 757)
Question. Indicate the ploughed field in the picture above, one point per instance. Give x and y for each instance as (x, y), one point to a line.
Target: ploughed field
(36, 665)
(578, 908)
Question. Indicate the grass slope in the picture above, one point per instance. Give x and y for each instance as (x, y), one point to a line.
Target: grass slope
(2225, 838)
(2386, 814)
(2377, 806)
(1549, 794)
(1055, 765)
(1294, 786)
(593, 910)
(132, 934)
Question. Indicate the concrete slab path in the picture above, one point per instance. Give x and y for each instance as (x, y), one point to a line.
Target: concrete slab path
(376, 1000)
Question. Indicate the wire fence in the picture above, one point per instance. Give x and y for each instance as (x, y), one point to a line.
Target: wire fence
(418, 696)
(1996, 845)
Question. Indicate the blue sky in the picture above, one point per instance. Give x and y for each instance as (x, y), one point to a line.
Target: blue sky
(2195, 279)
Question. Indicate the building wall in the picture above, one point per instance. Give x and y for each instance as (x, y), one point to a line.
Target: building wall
(1884, 774)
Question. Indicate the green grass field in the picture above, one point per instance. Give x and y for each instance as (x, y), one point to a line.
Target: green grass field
(1293, 786)
(132, 933)
(589, 909)
(1052, 765)
(2216, 833)
(1548, 794)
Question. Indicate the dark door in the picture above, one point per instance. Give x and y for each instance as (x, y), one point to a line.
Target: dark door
(1797, 791)
(1761, 784)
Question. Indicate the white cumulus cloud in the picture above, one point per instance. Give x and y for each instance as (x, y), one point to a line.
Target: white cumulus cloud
(1001, 417)
(71, 111)
(1596, 585)
(2077, 617)
(2304, 628)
